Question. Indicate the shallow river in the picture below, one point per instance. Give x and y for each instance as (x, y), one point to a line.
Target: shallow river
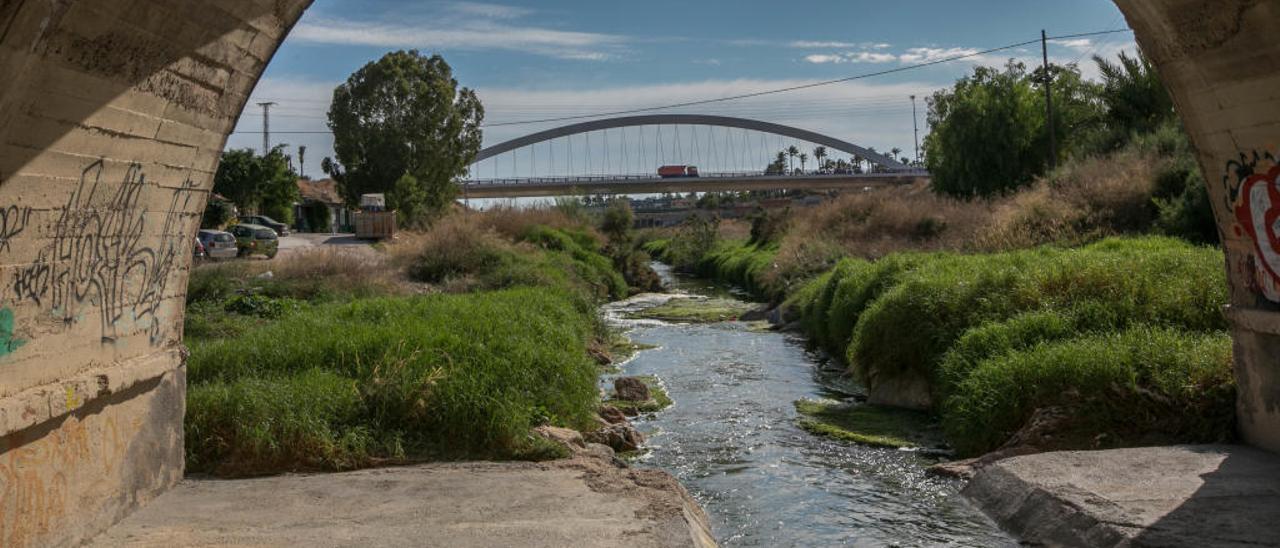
(732, 440)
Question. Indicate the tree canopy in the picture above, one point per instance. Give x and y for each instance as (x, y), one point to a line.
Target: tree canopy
(402, 126)
(262, 184)
(988, 132)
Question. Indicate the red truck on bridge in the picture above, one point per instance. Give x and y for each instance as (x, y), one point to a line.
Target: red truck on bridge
(672, 172)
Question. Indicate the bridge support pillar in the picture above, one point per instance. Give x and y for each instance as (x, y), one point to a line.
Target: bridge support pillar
(113, 114)
(1224, 73)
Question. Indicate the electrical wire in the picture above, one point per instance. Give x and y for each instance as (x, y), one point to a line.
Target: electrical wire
(763, 93)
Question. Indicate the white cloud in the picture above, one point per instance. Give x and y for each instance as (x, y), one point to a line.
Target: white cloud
(1078, 44)
(808, 44)
(929, 55)
(819, 58)
(489, 11)
(463, 26)
(911, 56)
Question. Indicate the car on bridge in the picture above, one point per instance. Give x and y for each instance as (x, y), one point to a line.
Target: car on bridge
(673, 172)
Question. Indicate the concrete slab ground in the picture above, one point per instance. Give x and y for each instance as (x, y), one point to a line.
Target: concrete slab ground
(1208, 495)
(583, 502)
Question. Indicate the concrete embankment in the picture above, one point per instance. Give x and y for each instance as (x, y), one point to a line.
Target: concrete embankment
(1193, 496)
(583, 501)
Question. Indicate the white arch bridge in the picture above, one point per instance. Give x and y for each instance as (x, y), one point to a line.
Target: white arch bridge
(731, 154)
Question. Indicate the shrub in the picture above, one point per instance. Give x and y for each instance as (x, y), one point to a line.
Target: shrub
(1140, 386)
(1157, 281)
(441, 375)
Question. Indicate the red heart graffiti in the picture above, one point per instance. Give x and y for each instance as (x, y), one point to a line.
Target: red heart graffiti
(1257, 211)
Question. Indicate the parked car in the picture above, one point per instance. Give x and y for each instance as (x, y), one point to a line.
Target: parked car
(280, 228)
(254, 239)
(198, 250)
(219, 244)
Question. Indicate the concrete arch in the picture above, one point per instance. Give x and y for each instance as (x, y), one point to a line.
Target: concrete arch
(112, 117)
(691, 119)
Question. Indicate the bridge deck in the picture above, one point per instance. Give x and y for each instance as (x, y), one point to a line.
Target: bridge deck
(518, 188)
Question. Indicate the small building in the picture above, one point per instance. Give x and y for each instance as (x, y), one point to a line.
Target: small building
(321, 208)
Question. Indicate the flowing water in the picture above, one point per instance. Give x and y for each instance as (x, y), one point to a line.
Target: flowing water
(732, 440)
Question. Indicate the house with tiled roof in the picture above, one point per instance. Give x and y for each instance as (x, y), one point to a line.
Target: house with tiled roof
(321, 208)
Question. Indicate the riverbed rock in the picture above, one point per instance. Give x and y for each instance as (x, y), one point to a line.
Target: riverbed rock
(620, 437)
(612, 414)
(755, 315)
(631, 389)
(571, 439)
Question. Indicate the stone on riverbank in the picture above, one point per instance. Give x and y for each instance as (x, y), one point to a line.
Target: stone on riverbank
(657, 401)
(1190, 495)
(631, 389)
(621, 437)
(611, 414)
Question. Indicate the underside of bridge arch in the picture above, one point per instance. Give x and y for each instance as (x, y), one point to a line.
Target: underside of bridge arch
(691, 120)
(112, 117)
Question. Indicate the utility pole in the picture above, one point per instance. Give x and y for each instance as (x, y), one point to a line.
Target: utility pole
(266, 126)
(915, 127)
(1048, 102)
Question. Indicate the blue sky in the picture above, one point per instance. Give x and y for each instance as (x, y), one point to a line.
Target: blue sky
(530, 60)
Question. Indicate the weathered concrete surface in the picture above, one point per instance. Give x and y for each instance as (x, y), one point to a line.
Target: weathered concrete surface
(113, 114)
(581, 502)
(1190, 496)
(1225, 80)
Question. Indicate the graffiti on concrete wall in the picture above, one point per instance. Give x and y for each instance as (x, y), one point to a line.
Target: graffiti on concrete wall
(1254, 184)
(106, 254)
(38, 479)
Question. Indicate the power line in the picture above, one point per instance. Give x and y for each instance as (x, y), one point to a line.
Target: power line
(776, 90)
(805, 86)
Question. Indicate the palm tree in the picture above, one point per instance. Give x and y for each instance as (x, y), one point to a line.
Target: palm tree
(803, 156)
(792, 151)
(896, 151)
(779, 164)
(818, 155)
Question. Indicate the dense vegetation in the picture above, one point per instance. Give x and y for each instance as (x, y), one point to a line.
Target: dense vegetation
(450, 344)
(984, 339)
(1019, 304)
(264, 184)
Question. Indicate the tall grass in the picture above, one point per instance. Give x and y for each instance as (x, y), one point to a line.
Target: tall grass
(1141, 385)
(330, 364)
(347, 384)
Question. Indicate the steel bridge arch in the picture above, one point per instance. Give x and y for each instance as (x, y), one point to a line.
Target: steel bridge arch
(691, 119)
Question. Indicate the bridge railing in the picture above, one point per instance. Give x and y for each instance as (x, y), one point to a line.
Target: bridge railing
(587, 179)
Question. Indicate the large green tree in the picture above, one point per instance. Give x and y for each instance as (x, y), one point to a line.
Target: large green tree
(402, 126)
(258, 184)
(988, 132)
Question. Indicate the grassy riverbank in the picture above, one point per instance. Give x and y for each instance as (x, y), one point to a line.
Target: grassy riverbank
(1121, 341)
(449, 344)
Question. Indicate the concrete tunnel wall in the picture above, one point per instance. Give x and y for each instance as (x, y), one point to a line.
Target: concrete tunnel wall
(112, 117)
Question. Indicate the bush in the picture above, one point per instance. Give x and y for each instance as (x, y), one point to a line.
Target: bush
(1156, 281)
(217, 213)
(1140, 386)
(443, 375)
